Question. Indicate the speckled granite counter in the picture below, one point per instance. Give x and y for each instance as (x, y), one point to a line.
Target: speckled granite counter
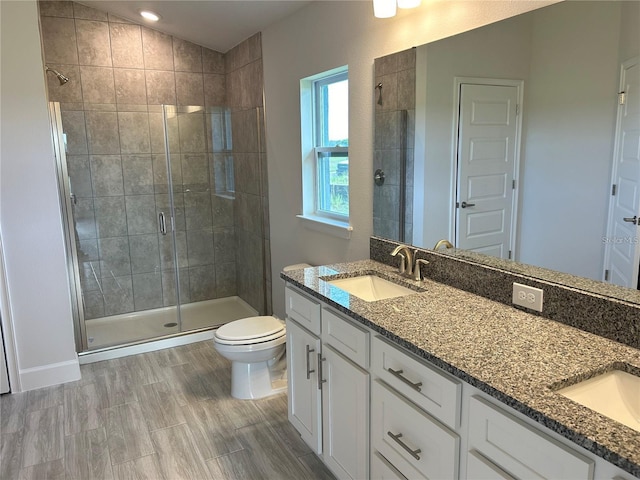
(512, 355)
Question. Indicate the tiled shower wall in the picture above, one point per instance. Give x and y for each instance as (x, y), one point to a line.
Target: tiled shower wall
(394, 140)
(120, 75)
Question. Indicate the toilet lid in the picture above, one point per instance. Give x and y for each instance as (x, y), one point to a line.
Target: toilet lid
(250, 328)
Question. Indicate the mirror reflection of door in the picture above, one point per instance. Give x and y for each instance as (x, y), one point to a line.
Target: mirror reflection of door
(622, 256)
(487, 165)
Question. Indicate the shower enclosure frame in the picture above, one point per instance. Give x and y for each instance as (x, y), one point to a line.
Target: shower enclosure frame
(82, 331)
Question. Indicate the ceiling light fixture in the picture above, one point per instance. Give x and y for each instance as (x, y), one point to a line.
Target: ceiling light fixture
(149, 15)
(387, 8)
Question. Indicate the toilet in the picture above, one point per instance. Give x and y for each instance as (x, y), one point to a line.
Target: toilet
(256, 348)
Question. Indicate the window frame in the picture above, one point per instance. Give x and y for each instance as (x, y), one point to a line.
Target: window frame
(312, 122)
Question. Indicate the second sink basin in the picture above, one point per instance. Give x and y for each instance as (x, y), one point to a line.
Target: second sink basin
(615, 394)
(371, 287)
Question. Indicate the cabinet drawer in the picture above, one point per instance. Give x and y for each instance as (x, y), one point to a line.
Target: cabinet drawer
(381, 469)
(479, 468)
(518, 448)
(349, 339)
(303, 310)
(416, 444)
(430, 389)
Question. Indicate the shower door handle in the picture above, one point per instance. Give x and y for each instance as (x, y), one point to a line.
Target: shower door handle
(163, 223)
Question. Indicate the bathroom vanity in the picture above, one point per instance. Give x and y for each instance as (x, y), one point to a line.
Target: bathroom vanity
(442, 383)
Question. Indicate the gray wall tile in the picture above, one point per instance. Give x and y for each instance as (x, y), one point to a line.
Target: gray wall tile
(106, 175)
(126, 45)
(111, 217)
(130, 86)
(189, 88)
(157, 49)
(222, 211)
(56, 9)
(88, 13)
(224, 245)
(161, 87)
(145, 253)
(138, 174)
(114, 257)
(141, 214)
(94, 45)
(214, 90)
(118, 295)
(200, 247)
(147, 291)
(59, 40)
(134, 132)
(187, 56)
(202, 283)
(84, 218)
(75, 129)
(97, 84)
(102, 132)
(226, 280)
(79, 175)
(192, 135)
(247, 172)
(197, 206)
(195, 172)
(212, 61)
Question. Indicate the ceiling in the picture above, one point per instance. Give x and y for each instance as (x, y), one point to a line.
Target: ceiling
(216, 24)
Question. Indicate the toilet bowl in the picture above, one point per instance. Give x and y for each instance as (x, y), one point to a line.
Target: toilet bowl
(255, 346)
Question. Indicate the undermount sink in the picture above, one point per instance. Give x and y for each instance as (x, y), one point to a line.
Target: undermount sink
(615, 394)
(371, 287)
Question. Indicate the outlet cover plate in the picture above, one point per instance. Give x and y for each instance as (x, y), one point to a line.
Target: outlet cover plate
(528, 297)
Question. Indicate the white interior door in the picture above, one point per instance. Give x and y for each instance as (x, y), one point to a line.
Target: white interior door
(487, 148)
(622, 255)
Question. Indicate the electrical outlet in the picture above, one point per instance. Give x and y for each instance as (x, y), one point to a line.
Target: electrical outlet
(528, 297)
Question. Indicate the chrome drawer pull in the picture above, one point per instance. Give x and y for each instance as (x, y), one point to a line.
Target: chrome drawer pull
(309, 371)
(413, 453)
(398, 374)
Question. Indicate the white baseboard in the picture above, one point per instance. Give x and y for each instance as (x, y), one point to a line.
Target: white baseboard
(48, 375)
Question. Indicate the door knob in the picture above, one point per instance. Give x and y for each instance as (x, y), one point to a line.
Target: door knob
(633, 219)
(465, 204)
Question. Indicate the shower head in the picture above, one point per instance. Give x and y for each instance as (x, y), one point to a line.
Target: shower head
(61, 78)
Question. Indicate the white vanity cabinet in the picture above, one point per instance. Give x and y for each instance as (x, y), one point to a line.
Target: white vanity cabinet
(415, 410)
(371, 409)
(327, 360)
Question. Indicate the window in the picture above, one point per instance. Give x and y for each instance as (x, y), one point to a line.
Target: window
(325, 147)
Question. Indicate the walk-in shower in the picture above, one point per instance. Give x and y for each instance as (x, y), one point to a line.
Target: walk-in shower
(158, 204)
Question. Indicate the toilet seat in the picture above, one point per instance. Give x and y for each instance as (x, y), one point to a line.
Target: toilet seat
(251, 330)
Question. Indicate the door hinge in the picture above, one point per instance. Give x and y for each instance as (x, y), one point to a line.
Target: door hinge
(614, 190)
(622, 98)
(517, 109)
(513, 184)
(606, 275)
(509, 254)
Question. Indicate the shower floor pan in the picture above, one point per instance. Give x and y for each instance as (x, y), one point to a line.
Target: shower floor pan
(135, 326)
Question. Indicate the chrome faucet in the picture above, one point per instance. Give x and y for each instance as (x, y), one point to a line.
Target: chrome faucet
(409, 264)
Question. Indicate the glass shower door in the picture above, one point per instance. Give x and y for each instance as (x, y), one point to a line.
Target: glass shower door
(115, 189)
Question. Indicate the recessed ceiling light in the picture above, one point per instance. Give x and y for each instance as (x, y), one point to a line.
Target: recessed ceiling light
(149, 15)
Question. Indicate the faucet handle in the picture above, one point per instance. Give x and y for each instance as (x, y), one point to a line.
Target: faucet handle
(417, 275)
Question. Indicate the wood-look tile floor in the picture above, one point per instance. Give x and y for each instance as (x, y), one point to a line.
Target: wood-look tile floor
(161, 415)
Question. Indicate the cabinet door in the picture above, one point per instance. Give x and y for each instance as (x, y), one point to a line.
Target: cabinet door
(304, 396)
(345, 419)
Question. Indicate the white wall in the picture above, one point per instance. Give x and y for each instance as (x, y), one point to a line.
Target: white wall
(30, 218)
(322, 36)
(568, 146)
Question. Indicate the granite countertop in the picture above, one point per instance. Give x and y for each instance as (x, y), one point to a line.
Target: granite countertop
(514, 356)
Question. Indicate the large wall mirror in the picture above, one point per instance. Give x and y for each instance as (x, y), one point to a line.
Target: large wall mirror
(517, 128)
